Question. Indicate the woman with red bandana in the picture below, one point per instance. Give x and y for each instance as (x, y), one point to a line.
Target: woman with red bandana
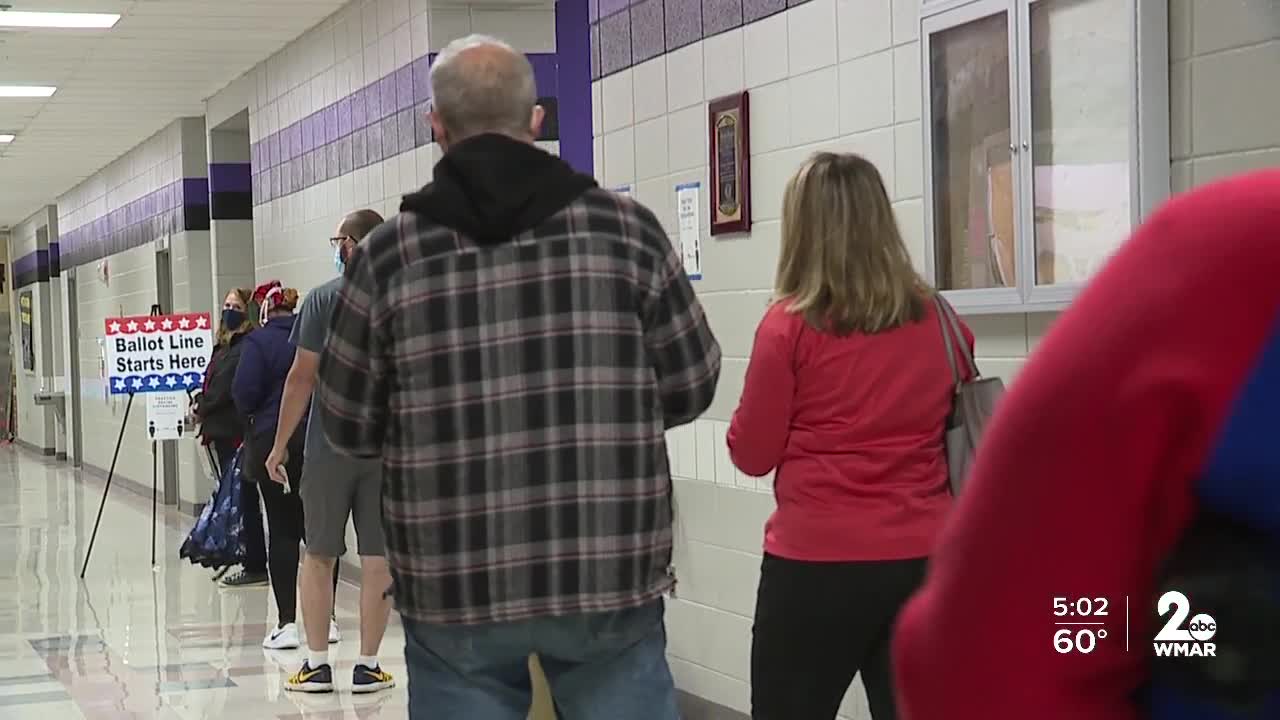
(257, 389)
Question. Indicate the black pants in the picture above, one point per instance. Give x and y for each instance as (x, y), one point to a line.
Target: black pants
(285, 524)
(255, 539)
(819, 624)
(284, 521)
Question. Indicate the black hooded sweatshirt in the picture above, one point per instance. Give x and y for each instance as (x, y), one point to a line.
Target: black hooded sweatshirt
(491, 188)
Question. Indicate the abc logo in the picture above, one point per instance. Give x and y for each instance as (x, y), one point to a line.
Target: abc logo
(1202, 627)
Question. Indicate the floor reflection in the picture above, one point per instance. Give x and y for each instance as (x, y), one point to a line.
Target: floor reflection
(135, 642)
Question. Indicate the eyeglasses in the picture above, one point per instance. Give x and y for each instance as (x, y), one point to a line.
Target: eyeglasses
(337, 241)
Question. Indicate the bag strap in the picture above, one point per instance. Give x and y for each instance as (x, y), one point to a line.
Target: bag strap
(947, 342)
(953, 336)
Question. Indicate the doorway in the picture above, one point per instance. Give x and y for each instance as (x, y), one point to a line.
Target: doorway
(231, 206)
(168, 449)
(75, 436)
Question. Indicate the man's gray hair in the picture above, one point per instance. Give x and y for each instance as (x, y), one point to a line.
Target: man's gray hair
(486, 93)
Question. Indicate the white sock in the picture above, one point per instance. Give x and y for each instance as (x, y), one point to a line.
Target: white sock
(316, 658)
(370, 661)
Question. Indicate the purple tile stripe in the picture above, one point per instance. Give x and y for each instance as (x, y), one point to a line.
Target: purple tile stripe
(721, 15)
(195, 191)
(153, 215)
(648, 31)
(371, 124)
(229, 177)
(624, 34)
(609, 7)
(573, 82)
(28, 263)
(753, 10)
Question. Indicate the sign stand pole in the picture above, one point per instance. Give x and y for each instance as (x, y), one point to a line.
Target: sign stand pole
(155, 482)
(154, 502)
(124, 423)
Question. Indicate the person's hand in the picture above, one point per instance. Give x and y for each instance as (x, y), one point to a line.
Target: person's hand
(275, 464)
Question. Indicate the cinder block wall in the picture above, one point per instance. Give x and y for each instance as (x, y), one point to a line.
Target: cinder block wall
(840, 75)
(1224, 95)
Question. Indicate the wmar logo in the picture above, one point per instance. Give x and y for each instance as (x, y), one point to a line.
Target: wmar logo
(1174, 640)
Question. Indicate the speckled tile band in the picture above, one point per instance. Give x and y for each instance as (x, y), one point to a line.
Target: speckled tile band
(647, 31)
(753, 10)
(622, 35)
(683, 22)
(720, 15)
(615, 43)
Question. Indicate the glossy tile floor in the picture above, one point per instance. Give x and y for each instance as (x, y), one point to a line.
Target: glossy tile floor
(130, 642)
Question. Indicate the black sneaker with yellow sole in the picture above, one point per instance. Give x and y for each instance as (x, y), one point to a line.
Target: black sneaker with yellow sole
(365, 679)
(311, 680)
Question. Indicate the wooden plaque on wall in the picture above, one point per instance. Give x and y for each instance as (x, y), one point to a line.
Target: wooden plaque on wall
(729, 125)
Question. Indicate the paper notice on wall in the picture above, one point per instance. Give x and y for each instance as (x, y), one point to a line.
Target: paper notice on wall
(165, 416)
(688, 227)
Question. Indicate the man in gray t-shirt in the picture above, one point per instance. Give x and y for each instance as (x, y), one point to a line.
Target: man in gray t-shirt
(334, 488)
(309, 334)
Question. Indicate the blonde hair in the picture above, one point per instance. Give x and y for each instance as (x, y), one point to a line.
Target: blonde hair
(843, 265)
(225, 334)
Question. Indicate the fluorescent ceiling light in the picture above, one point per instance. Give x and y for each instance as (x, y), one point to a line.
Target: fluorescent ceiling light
(26, 91)
(6, 138)
(24, 19)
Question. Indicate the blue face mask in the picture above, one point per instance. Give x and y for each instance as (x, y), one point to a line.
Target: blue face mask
(232, 319)
(339, 263)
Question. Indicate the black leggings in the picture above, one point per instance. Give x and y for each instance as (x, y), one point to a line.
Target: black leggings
(819, 624)
(285, 530)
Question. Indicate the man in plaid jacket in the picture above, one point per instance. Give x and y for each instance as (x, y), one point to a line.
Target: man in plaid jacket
(513, 345)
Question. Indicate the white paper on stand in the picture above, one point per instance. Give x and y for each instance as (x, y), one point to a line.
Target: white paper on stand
(688, 226)
(165, 416)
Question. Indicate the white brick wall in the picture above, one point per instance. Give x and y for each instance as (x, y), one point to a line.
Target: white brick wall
(174, 153)
(1224, 95)
(356, 46)
(34, 424)
(845, 75)
(826, 75)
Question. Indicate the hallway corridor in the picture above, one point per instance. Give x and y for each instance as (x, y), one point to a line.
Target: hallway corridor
(127, 643)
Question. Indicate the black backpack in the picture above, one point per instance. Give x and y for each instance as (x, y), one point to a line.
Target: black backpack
(1231, 572)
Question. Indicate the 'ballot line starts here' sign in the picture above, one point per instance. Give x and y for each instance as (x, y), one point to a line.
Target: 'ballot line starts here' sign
(157, 353)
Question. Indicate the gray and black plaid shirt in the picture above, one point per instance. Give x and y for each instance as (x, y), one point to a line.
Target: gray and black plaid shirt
(518, 394)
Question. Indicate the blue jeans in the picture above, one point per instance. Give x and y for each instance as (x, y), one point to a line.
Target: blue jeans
(606, 666)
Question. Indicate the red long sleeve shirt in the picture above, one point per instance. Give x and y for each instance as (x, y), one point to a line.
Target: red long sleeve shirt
(1155, 388)
(853, 426)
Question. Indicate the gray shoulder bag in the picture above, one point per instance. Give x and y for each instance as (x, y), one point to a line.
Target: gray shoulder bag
(974, 401)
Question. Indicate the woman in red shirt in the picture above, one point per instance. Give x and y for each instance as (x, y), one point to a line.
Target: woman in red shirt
(846, 397)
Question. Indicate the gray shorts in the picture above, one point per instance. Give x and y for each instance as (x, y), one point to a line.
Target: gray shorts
(333, 489)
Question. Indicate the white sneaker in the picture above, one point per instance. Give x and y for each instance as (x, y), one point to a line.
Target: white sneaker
(334, 635)
(282, 638)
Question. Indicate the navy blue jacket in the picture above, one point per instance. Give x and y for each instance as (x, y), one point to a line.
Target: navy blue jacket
(264, 365)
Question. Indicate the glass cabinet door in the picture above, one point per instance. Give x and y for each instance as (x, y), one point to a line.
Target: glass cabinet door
(972, 141)
(1046, 135)
(1079, 156)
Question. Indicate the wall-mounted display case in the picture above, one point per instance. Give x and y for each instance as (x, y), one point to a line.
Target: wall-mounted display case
(1046, 137)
